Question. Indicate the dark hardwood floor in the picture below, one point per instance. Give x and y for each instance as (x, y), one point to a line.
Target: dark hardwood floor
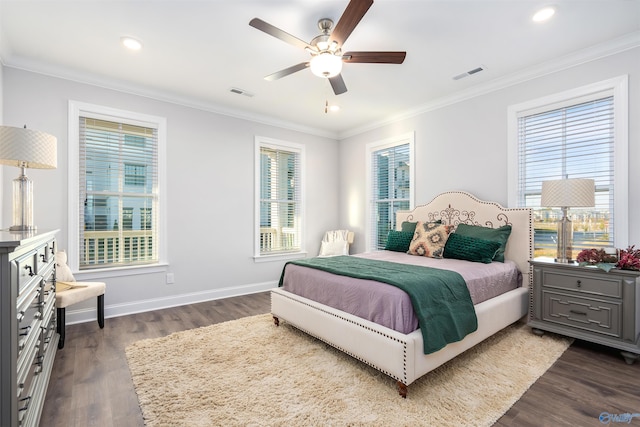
(91, 384)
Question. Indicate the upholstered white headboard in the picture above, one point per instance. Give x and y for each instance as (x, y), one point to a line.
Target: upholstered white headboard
(455, 207)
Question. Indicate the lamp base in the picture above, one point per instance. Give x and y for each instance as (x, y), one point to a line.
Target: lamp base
(22, 203)
(565, 239)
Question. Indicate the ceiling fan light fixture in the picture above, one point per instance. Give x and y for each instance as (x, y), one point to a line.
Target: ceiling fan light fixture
(326, 65)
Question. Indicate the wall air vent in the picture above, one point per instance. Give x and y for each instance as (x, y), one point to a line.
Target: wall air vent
(469, 73)
(241, 92)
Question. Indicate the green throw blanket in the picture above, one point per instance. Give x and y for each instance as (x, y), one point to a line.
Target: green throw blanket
(440, 298)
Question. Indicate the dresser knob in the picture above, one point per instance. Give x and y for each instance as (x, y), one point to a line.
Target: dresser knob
(579, 283)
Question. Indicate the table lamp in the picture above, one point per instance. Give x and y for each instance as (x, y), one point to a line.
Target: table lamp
(567, 193)
(25, 148)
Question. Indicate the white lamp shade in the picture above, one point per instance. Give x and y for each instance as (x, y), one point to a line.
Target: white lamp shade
(326, 65)
(567, 193)
(28, 148)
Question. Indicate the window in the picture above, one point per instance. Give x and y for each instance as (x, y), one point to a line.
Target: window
(279, 197)
(115, 168)
(390, 186)
(135, 175)
(574, 135)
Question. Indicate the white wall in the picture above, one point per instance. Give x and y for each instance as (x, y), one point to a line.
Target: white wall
(210, 195)
(460, 146)
(463, 146)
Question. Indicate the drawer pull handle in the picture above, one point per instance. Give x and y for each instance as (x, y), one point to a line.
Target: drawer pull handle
(579, 283)
(578, 312)
(26, 330)
(28, 267)
(27, 401)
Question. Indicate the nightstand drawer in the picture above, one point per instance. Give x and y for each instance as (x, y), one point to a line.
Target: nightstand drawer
(589, 314)
(600, 285)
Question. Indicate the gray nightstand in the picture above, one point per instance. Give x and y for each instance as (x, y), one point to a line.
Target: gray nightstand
(587, 303)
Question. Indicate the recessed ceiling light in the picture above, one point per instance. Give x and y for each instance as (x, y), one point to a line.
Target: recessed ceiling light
(330, 108)
(131, 43)
(543, 14)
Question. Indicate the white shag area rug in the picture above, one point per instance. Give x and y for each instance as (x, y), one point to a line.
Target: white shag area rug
(248, 372)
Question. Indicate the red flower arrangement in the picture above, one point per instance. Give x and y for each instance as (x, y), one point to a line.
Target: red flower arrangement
(629, 259)
(596, 257)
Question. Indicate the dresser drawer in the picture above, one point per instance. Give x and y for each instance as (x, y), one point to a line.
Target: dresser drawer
(589, 314)
(583, 283)
(44, 256)
(23, 271)
(27, 364)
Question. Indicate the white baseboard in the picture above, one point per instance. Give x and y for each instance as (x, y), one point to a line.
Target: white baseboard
(115, 310)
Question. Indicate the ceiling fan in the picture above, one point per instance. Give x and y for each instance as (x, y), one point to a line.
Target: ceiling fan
(326, 49)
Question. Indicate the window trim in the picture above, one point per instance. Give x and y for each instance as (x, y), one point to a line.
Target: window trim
(76, 110)
(371, 147)
(619, 87)
(259, 142)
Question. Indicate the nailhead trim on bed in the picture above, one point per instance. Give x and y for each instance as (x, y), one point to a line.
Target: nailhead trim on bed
(404, 344)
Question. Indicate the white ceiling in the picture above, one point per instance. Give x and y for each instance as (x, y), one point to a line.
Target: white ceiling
(195, 51)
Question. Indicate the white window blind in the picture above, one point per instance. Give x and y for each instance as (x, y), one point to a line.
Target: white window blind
(571, 140)
(118, 165)
(280, 199)
(390, 189)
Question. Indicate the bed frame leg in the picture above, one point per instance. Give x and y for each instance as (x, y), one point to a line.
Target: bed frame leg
(276, 321)
(402, 389)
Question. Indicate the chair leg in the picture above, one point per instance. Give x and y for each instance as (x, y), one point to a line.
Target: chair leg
(60, 326)
(101, 311)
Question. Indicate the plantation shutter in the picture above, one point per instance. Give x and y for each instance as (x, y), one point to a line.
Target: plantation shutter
(570, 140)
(118, 194)
(391, 186)
(280, 200)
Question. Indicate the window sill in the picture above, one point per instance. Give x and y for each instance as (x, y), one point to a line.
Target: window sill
(104, 273)
(280, 257)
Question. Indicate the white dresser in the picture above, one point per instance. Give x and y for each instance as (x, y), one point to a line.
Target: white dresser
(28, 338)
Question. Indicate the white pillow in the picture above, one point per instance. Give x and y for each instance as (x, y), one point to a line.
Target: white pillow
(340, 247)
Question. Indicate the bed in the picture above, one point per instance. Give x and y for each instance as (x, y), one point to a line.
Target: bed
(401, 355)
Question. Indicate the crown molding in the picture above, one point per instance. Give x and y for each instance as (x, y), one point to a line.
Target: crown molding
(627, 42)
(593, 53)
(130, 89)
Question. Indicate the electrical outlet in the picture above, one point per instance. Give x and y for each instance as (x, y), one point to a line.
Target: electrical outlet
(170, 278)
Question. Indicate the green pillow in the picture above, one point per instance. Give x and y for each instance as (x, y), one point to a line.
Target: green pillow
(500, 235)
(470, 248)
(409, 227)
(398, 241)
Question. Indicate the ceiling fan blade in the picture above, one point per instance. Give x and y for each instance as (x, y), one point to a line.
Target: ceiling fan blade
(337, 83)
(352, 15)
(279, 34)
(282, 73)
(375, 57)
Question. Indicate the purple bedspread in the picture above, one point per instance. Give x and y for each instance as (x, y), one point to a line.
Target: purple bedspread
(388, 305)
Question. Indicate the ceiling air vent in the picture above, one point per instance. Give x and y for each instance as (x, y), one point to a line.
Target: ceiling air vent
(469, 73)
(241, 92)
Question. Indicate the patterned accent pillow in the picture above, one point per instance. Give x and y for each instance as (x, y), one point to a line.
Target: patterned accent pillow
(411, 226)
(429, 239)
(398, 241)
(470, 248)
